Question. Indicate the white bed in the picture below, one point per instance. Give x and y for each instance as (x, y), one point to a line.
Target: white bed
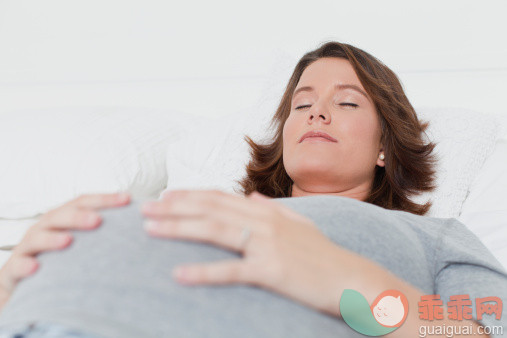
(130, 88)
(144, 151)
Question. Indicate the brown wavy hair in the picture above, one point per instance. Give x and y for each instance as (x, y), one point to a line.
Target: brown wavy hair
(409, 162)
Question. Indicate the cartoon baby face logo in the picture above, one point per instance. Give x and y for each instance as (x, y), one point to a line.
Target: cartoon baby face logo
(386, 313)
(390, 308)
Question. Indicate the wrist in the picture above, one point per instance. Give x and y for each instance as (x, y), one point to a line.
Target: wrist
(370, 279)
(4, 297)
(4, 293)
(349, 270)
(356, 272)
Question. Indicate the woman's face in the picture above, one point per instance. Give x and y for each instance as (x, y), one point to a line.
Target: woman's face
(347, 114)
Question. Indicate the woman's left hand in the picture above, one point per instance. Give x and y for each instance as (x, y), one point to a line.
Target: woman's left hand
(285, 252)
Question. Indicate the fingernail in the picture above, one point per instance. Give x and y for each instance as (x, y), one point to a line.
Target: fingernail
(149, 204)
(92, 219)
(151, 225)
(147, 207)
(179, 273)
(123, 196)
(35, 266)
(64, 239)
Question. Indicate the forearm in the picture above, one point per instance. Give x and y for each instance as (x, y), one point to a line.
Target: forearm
(370, 279)
(4, 297)
(414, 326)
(4, 293)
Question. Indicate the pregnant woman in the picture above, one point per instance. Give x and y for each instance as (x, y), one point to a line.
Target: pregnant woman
(324, 217)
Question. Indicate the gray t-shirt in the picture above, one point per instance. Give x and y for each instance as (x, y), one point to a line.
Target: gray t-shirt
(116, 280)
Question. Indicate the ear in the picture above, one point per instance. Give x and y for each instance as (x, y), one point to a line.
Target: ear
(381, 163)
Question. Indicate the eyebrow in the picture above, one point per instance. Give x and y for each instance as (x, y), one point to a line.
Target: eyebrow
(336, 86)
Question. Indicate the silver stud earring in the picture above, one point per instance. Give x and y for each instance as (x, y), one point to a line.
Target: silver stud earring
(381, 156)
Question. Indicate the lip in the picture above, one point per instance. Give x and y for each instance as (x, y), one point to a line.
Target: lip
(319, 134)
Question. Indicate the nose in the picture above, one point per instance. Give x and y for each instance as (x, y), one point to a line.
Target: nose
(318, 111)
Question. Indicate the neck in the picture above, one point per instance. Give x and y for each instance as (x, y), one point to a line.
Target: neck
(360, 192)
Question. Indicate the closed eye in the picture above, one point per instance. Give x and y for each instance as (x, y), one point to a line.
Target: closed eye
(341, 104)
(301, 107)
(349, 104)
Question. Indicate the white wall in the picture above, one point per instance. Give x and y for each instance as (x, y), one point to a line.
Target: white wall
(217, 57)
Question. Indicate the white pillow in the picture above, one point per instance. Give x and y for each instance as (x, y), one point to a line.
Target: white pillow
(464, 138)
(52, 155)
(485, 209)
(213, 155)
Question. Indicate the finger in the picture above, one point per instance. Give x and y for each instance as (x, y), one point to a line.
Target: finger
(267, 201)
(70, 218)
(163, 209)
(165, 194)
(97, 201)
(183, 203)
(224, 272)
(197, 203)
(255, 195)
(43, 240)
(206, 230)
(285, 210)
(16, 269)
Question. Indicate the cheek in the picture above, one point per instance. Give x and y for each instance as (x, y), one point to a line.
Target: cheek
(290, 134)
(363, 131)
(289, 131)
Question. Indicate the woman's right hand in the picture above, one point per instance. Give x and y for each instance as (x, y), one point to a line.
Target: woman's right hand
(51, 233)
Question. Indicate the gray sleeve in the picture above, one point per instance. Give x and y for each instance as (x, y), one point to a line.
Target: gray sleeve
(465, 266)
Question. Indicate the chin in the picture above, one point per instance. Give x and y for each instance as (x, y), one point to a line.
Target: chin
(303, 172)
(314, 164)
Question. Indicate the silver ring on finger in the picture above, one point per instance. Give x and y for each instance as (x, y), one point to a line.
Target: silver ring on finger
(245, 237)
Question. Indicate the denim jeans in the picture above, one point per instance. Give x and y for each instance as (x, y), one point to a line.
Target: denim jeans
(42, 330)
